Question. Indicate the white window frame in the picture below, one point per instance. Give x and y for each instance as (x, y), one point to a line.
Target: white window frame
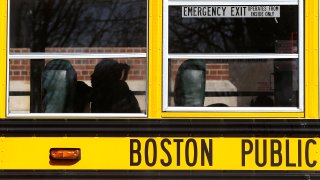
(167, 56)
(35, 55)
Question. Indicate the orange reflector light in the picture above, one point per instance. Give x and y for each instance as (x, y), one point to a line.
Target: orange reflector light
(65, 154)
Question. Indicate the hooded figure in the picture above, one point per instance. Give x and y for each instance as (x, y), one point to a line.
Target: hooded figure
(110, 92)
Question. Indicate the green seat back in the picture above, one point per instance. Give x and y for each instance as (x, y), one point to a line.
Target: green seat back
(190, 83)
(58, 87)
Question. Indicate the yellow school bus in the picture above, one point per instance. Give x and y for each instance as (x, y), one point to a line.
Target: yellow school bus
(161, 89)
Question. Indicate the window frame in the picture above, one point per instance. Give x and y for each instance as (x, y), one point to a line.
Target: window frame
(171, 111)
(74, 55)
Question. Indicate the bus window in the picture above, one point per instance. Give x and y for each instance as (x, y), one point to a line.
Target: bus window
(251, 56)
(57, 50)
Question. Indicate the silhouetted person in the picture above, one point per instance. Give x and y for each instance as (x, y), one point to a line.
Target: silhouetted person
(110, 92)
(82, 97)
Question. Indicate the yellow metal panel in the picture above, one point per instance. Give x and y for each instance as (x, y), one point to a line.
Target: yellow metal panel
(155, 59)
(155, 64)
(311, 59)
(3, 40)
(174, 153)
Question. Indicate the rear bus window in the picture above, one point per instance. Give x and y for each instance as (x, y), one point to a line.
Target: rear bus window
(77, 56)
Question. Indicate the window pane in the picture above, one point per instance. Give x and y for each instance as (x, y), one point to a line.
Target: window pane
(67, 86)
(234, 83)
(234, 35)
(41, 24)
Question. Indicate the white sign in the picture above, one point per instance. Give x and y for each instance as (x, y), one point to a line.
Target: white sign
(230, 11)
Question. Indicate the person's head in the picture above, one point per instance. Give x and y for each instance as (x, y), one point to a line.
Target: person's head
(109, 71)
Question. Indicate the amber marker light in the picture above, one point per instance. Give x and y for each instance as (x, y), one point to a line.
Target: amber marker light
(65, 154)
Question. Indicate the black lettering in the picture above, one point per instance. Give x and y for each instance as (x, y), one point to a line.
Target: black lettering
(135, 151)
(237, 12)
(314, 163)
(288, 163)
(205, 11)
(232, 11)
(214, 11)
(178, 142)
(195, 154)
(264, 153)
(185, 11)
(218, 11)
(154, 159)
(206, 151)
(244, 11)
(224, 10)
(199, 12)
(209, 10)
(275, 151)
(190, 11)
(299, 153)
(165, 150)
(194, 11)
(245, 152)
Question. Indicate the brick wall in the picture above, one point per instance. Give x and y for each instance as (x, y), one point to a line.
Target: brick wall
(20, 69)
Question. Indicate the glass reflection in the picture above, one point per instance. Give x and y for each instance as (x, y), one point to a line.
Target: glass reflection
(38, 24)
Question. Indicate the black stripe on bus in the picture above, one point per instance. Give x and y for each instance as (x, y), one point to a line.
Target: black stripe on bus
(160, 175)
(158, 128)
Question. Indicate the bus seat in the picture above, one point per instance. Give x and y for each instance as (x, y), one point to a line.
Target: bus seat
(58, 87)
(189, 89)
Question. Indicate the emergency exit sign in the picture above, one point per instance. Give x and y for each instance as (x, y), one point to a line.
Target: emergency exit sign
(230, 11)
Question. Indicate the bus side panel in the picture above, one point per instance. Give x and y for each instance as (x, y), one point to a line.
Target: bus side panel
(311, 59)
(3, 55)
(154, 59)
